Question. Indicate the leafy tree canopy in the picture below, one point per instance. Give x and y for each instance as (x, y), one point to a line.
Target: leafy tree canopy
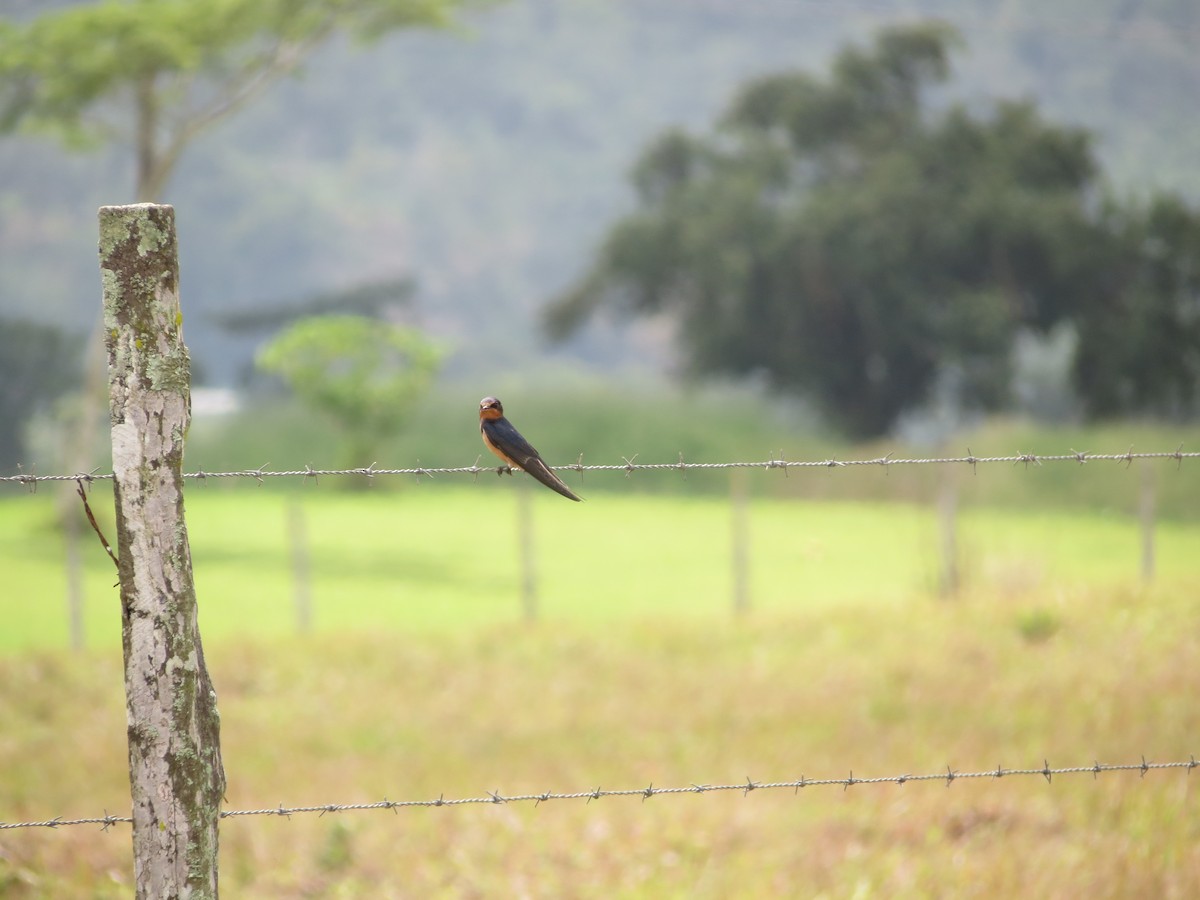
(365, 374)
(177, 65)
(1139, 343)
(858, 237)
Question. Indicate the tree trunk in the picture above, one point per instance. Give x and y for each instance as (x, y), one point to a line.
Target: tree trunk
(175, 772)
(150, 175)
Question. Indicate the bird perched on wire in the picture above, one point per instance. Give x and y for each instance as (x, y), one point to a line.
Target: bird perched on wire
(516, 452)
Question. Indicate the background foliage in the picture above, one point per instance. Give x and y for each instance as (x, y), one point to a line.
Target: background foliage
(364, 375)
(857, 243)
(487, 163)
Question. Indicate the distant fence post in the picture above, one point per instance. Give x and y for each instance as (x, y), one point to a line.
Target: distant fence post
(529, 601)
(740, 541)
(949, 577)
(81, 431)
(175, 772)
(301, 579)
(1146, 516)
(71, 543)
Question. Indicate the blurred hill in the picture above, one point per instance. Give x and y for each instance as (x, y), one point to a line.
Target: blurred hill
(486, 164)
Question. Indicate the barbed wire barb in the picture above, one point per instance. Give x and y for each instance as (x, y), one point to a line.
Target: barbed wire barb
(629, 467)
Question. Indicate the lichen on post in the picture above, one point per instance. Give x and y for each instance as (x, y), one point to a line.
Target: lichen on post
(175, 772)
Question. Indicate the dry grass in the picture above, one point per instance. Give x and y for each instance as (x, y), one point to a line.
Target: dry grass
(352, 717)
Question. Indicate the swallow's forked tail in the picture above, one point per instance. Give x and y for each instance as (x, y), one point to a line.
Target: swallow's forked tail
(543, 473)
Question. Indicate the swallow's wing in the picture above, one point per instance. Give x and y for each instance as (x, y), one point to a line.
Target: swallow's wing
(507, 442)
(503, 437)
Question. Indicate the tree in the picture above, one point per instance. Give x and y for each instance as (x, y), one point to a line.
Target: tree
(365, 374)
(1139, 347)
(857, 242)
(37, 364)
(158, 72)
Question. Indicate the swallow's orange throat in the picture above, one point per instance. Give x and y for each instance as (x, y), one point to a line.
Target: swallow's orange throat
(490, 408)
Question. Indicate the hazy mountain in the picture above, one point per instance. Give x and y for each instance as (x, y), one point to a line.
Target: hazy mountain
(486, 164)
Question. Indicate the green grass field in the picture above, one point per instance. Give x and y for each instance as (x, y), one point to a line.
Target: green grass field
(420, 679)
(432, 558)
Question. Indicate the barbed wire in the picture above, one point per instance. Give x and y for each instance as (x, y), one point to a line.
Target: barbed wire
(629, 466)
(495, 797)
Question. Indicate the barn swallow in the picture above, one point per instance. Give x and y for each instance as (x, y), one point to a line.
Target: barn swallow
(516, 452)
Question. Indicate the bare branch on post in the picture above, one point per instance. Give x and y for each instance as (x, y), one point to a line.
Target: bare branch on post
(175, 772)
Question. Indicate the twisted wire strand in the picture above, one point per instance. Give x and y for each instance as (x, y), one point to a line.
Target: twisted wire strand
(630, 465)
(495, 797)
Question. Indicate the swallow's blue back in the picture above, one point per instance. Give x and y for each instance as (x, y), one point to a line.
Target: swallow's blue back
(508, 439)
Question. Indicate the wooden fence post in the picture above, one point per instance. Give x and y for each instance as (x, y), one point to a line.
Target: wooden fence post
(175, 772)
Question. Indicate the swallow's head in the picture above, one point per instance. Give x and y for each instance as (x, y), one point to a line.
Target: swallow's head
(490, 408)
